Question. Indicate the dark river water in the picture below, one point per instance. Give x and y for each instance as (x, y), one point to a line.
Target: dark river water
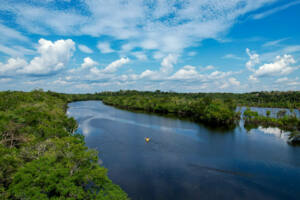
(185, 160)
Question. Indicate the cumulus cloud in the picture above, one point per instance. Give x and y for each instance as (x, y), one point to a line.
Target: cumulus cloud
(53, 56)
(88, 62)
(233, 81)
(281, 66)
(12, 65)
(84, 49)
(113, 67)
(254, 60)
(168, 62)
(104, 47)
(252, 78)
(165, 69)
(188, 72)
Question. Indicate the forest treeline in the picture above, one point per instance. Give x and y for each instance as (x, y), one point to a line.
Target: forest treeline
(272, 99)
(217, 112)
(42, 157)
(216, 109)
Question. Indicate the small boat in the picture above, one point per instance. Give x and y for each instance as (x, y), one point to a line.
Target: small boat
(147, 139)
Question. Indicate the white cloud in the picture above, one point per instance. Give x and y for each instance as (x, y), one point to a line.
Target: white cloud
(254, 60)
(5, 80)
(88, 62)
(274, 10)
(54, 56)
(274, 42)
(165, 69)
(85, 49)
(7, 33)
(158, 55)
(44, 20)
(10, 51)
(188, 72)
(281, 66)
(113, 67)
(233, 81)
(140, 55)
(12, 65)
(232, 56)
(60, 82)
(281, 80)
(104, 47)
(145, 23)
(207, 68)
(252, 78)
(168, 62)
(192, 53)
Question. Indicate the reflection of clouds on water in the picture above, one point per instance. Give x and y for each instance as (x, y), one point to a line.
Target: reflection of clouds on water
(274, 131)
(86, 128)
(87, 115)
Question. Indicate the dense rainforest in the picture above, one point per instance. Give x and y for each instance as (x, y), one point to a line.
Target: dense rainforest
(43, 158)
(216, 109)
(211, 111)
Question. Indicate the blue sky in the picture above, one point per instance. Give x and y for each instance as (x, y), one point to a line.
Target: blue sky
(171, 45)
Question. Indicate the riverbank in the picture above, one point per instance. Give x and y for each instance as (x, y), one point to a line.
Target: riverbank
(285, 122)
(41, 157)
(209, 111)
(187, 160)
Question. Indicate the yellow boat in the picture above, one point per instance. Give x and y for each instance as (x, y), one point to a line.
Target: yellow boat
(147, 139)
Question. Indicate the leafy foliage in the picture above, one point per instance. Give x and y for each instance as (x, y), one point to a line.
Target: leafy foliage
(286, 122)
(41, 157)
(208, 110)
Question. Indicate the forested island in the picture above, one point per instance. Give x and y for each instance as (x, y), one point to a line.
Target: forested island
(43, 158)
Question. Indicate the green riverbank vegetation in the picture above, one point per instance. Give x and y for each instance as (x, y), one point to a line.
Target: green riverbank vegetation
(215, 109)
(272, 99)
(216, 112)
(42, 157)
(283, 121)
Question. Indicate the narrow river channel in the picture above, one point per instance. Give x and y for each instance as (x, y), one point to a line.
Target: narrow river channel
(188, 161)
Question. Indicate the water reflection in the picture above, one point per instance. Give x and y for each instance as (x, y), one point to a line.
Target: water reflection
(185, 160)
(273, 111)
(275, 131)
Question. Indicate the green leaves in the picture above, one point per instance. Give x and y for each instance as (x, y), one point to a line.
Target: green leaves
(41, 157)
(207, 109)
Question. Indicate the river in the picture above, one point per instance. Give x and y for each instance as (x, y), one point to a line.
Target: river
(185, 160)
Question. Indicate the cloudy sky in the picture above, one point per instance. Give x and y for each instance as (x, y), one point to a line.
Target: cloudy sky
(171, 45)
